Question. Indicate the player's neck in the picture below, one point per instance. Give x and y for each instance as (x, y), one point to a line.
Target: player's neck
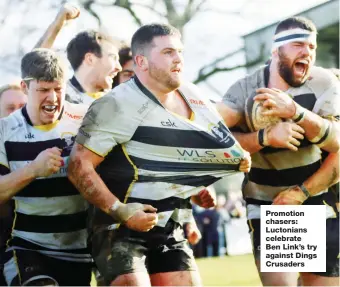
(85, 79)
(157, 89)
(275, 80)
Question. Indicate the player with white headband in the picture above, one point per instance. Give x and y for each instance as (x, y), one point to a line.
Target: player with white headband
(287, 156)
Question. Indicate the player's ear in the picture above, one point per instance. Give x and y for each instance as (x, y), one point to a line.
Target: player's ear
(24, 87)
(142, 62)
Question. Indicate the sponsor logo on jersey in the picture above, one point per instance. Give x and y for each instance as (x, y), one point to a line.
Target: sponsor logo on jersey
(207, 156)
(168, 123)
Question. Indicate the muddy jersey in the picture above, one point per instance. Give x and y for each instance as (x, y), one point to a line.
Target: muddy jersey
(155, 156)
(274, 170)
(50, 214)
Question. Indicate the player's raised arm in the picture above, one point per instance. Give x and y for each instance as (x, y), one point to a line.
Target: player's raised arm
(66, 12)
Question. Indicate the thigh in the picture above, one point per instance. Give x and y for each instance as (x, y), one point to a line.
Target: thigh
(268, 278)
(28, 268)
(115, 256)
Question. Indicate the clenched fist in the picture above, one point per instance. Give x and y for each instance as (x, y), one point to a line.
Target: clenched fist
(69, 12)
(47, 162)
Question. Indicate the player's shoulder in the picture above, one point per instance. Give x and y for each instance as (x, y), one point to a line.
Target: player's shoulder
(321, 79)
(12, 124)
(74, 112)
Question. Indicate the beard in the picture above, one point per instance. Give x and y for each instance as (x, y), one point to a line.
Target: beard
(163, 77)
(286, 71)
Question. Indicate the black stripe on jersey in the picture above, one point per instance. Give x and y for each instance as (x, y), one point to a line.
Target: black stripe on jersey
(19, 242)
(52, 187)
(27, 151)
(180, 166)
(306, 100)
(190, 180)
(116, 172)
(51, 224)
(284, 177)
(166, 204)
(176, 138)
(4, 170)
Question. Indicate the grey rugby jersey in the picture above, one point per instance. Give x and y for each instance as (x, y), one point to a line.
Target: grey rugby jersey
(154, 156)
(274, 170)
(75, 93)
(50, 214)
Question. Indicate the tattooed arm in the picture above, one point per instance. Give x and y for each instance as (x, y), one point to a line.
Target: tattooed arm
(82, 174)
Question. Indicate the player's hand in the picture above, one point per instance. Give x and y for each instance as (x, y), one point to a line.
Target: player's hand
(245, 163)
(193, 233)
(136, 216)
(144, 219)
(284, 135)
(204, 198)
(47, 162)
(291, 196)
(277, 103)
(68, 12)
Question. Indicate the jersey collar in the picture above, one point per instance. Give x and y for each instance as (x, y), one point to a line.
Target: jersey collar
(41, 127)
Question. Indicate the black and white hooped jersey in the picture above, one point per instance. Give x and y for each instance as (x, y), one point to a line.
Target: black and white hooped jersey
(76, 94)
(50, 214)
(274, 170)
(155, 156)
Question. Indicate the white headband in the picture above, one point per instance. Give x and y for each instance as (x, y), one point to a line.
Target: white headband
(293, 35)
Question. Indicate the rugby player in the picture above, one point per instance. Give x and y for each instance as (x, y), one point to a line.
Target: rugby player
(11, 99)
(155, 142)
(287, 162)
(126, 62)
(48, 244)
(93, 56)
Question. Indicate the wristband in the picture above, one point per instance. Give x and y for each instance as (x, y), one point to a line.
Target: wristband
(299, 114)
(304, 190)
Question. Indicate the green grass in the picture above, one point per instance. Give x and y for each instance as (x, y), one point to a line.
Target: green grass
(226, 271)
(229, 271)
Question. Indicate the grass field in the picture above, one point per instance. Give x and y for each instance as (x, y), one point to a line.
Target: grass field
(226, 271)
(229, 271)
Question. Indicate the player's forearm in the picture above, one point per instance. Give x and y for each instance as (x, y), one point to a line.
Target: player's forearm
(90, 185)
(248, 141)
(318, 129)
(325, 176)
(12, 183)
(47, 40)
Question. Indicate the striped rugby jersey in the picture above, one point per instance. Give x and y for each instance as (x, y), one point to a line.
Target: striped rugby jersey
(50, 214)
(76, 94)
(154, 156)
(274, 170)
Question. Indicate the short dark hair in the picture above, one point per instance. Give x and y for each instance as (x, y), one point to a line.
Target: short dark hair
(296, 22)
(125, 56)
(42, 65)
(144, 36)
(86, 42)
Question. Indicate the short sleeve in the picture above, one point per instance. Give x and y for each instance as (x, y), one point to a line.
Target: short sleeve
(4, 165)
(328, 104)
(235, 97)
(104, 126)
